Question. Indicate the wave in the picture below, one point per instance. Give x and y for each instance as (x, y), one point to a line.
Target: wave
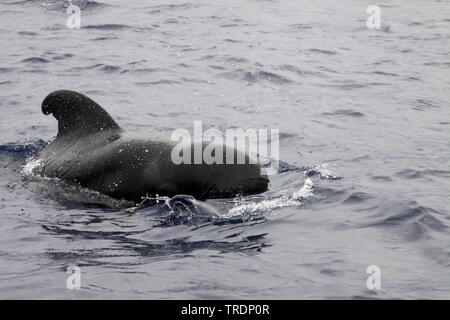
(422, 174)
(322, 51)
(410, 222)
(357, 197)
(180, 6)
(344, 112)
(36, 60)
(254, 77)
(22, 151)
(61, 5)
(109, 27)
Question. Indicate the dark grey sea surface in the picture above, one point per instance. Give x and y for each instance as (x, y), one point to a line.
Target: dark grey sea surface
(364, 120)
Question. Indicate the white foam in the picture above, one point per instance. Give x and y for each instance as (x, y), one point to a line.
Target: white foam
(30, 166)
(305, 191)
(296, 199)
(323, 172)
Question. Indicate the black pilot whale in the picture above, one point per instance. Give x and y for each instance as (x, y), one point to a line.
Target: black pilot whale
(92, 150)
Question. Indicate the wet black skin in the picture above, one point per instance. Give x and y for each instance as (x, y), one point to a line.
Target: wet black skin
(92, 150)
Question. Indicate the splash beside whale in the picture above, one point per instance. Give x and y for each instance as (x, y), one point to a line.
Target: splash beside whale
(92, 150)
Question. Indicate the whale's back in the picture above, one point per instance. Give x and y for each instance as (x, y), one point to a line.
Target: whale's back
(92, 150)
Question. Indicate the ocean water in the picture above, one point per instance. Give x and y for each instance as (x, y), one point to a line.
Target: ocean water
(364, 120)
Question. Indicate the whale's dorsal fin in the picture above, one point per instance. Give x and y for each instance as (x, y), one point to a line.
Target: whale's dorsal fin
(77, 113)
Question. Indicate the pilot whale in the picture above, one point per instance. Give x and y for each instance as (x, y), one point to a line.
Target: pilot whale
(92, 150)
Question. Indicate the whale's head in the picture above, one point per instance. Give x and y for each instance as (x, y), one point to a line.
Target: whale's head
(76, 113)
